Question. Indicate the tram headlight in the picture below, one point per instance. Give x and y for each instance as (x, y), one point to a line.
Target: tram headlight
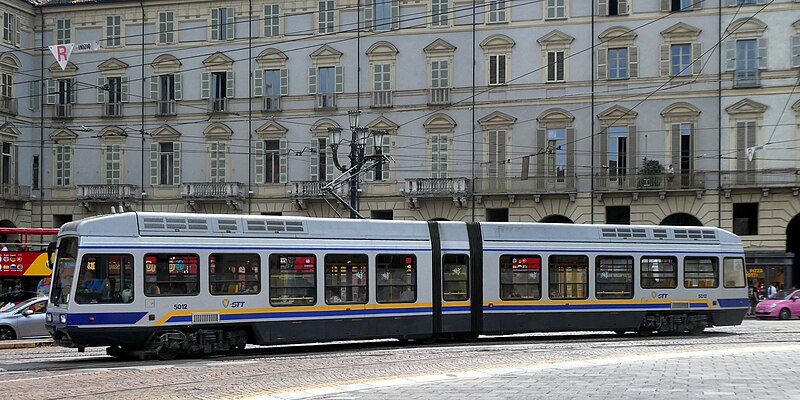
(62, 318)
(48, 317)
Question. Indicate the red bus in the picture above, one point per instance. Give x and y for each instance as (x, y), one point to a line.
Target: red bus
(24, 268)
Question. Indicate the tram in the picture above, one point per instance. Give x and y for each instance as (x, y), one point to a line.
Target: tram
(168, 284)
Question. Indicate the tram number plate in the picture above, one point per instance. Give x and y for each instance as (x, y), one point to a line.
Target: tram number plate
(180, 306)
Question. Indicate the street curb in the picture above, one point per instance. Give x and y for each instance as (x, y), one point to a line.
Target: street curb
(24, 344)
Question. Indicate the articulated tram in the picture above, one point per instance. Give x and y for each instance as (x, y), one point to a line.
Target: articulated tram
(167, 284)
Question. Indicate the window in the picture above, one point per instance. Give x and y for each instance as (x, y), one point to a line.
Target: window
(168, 163)
(681, 5)
(325, 82)
(614, 277)
(732, 3)
(234, 273)
(105, 278)
(659, 272)
(113, 164)
(747, 62)
(66, 259)
(35, 173)
(380, 171)
(381, 214)
(686, 158)
(438, 155)
(497, 11)
(166, 27)
(497, 69)
(221, 90)
(618, 63)
(111, 93)
(63, 31)
(745, 218)
(382, 77)
(167, 91)
(455, 277)
(346, 279)
(11, 29)
(321, 164)
(384, 17)
(222, 23)
(613, 7)
(733, 273)
(292, 279)
(496, 164)
(700, 272)
(7, 163)
(745, 137)
(171, 275)
(556, 9)
(272, 161)
(680, 59)
(63, 165)
(439, 13)
(556, 159)
(6, 89)
(520, 277)
(569, 277)
(272, 20)
(620, 215)
(796, 51)
(440, 74)
(326, 16)
(113, 31)
(555, 66)
(617, 162)
(64, 92)
(396, 276)
(218, 156)
(497, 215)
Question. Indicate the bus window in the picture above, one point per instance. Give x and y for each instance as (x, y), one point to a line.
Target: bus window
(171, 275)
(346, 278)
(520, 277)
(292, 279)
(614, 277)
(234, 273)
(66, 258)
(700, 272)
(569, 277)
(733, 273)
(396, 278)
(659, 272)
(455, 277)
(105, 278)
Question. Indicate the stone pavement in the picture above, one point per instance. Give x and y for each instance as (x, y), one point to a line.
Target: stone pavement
(24, 343)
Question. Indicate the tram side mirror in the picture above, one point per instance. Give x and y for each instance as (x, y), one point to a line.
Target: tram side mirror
(51, 248)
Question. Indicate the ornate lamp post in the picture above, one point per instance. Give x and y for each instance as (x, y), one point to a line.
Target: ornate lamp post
(358, 142)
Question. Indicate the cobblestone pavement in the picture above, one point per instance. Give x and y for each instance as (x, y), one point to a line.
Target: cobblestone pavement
(749, 360)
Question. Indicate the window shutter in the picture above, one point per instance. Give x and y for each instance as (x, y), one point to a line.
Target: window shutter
(229, 84)
(214, 24)
(601, 64)
(328, 162)
(370, 151)
(101, 90)
(369, 14)
(697, 56)
(124, 88)
(570, 139)
(762, 53)
(312, 80)
(730, 55)
(284, 82)
(14, 169)
(339, 80)
(314, 162)
(795, 51)
(603, 153)
(666, 5)
(633, 62)
(33, 95)
(386, 150)
(51, 91)
(258, 83)
(664, 55)
(178, 87)
(154, 159)
(633, 157)
(17, 31)
(176, 163)
(259, 161)
(741, 146)
(72, 87)
(602, 7)
(155, 83)
(696, 5)
(676, 147)
(229, 24)
(541, 143)
(284, 158)
(395, 14)
(205, 85)
(623, 7)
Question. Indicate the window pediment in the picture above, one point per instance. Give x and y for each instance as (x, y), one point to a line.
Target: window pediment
(555, 39)
(271, 128)
(382, 124)
(218, 60)
(112, 66)
(617, 35)
(617, 114)
(499, 42)
(218, 131)
(320, 128)
(497, 119)
(166, 64)
(271, 58)
(382, 48)
(439, 47)
(63, 135)
(746, 106)
(113, 134)
(439, 121)
(555, 117)
(165, 133)
(56, 72)
(746, 27)
(680, 32)
(10, 61)
(796, 25)
(9, 131)
(326, 55)
(681, 110)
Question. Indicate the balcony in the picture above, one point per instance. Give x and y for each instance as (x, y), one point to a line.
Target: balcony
(8, 105)
(272, 103)
(439, 96)
(764, 179)
(382, 99)
(9, 192)
(62, 111)
(662, 183)
(231, 193)
(165, 107)
(112, 109)
(325, 101)
(457, 188)
(309, 190)
(218, 105)
(89, 195)
(747, 78)
(533, 185)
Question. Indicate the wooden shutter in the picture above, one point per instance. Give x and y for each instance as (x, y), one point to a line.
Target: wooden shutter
(633, 158)
(602, 71)
(730, 55)
(284, 158)
(633, 62)
(259, 161)
(154, 160)
(205, 85)
(101, 89)
(369, 14)
(124, 88)
(676, 146)
(762, 53)
(664, 56)
(229, 84)
(339, 80)
(312, 80)
(176, 163)
(155, 85)
(370, 151)
(741, 146)
(214, 24)
(622, 6)
(541, 155)
(178, 86)
(569, 143)
(17, 31)
(229, 24)
(284, 82)
(795, 51)
(603, 153)
(51, 91)
(258, 83)
(666, 5)
(33, 95)
(696, 5)
(395, 14)
(697, 58)
(314, 162)
(602, 7)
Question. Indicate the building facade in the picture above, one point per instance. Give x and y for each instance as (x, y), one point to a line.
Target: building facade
(606, 111)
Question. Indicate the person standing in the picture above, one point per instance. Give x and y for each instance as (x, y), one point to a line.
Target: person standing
(772, 290)
(4, 248)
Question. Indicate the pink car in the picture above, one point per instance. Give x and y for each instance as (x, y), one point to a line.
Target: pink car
(784, 305)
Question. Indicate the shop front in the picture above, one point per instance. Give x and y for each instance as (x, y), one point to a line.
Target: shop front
(769, 267)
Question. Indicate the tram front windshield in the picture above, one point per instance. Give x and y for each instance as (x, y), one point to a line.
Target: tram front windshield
(64, 270)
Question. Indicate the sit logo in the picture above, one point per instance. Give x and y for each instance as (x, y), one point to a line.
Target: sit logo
(233, 304)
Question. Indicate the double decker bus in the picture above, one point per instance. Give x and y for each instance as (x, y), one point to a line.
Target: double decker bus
(24, 267)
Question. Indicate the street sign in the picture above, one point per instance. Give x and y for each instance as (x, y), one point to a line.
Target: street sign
(62, 52)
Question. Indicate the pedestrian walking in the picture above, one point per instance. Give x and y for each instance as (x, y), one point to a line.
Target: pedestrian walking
(772, 290)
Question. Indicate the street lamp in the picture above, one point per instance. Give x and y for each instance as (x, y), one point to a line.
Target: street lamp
(358, 143)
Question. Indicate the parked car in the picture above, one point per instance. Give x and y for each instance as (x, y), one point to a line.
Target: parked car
(25, 320)
(784, 305)
(10, 299)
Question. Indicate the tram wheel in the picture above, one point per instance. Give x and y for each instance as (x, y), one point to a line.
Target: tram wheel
(645, 332)
(236, 349)
(697, 330)
(166, 354)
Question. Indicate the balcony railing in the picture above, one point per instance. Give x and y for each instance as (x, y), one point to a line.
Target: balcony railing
(8, 105)
(516, 185)
(213, 191)
(435, 187)
(218, 105)
(166, 107)
(107, 193)
(382, 98)
(650, 182)
(746, 78)
(313, 189)
(112, 110)
(11, 192)
(325, 101)
(761, 178)
(439, 96)
(63, 111)
(272, 103)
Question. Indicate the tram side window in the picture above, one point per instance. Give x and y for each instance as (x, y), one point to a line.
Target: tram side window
(396, 276)
(455, 277)
(292, 279)
(105, 278)
(171, 275)
(614, 277)
(659, 272)
(700, 272)
(346, 278)
(733, 273)
(520, 277)
(234, 273)
(569, 277)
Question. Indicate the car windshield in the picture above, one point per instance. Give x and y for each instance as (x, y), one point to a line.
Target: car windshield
(783, 295)
(64, 271)
(16, 307)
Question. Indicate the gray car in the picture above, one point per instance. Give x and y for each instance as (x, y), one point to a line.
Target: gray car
(24, 320)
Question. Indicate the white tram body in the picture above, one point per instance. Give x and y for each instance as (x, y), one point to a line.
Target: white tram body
(165, 284)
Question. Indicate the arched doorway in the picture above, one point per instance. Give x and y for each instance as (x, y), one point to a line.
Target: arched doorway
(556, 219)
(6, 224)
(681, 219)
(793, 246)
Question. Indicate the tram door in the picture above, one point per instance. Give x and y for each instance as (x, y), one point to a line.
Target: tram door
(456, 293)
